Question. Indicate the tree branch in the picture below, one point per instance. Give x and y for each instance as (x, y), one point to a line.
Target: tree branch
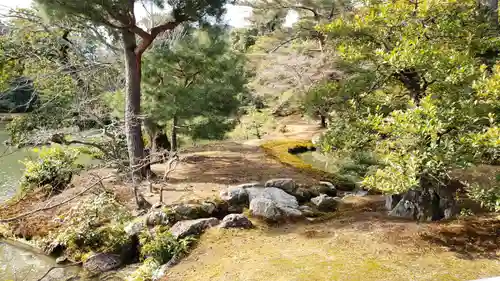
(60, 266)
(282, 44)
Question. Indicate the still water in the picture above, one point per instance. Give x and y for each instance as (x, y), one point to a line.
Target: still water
(17, 262)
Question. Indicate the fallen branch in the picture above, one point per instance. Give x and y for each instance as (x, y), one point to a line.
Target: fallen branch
(55, 205)
(60, 266)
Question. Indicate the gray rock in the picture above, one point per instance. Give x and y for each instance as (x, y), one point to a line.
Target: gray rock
(327, 188)
(266, 208)
(391, 201)
(288, 185)
(61, 260)
(272, 203)
(102, 262)
(185, 228)
(325, 203)
(235, 221)
(235, 195)
(54, 248)
(155, 218)
(134, 228)
(307, 211)
(280, 197)
(426, 205)
(160, 272)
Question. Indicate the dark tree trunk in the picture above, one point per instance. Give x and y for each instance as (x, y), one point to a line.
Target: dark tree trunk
(323, 121)
(133, 131)
(174, 133)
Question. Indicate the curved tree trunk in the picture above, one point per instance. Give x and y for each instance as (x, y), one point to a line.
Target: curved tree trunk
(133, 131)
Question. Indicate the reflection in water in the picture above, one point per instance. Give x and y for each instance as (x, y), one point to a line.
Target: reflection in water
(19, 263)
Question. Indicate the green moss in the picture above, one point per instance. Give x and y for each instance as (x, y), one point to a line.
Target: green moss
(279, 149)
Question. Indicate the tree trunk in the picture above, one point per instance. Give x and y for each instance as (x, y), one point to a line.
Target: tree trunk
(133, 131)
(323, 121)
(174, 133)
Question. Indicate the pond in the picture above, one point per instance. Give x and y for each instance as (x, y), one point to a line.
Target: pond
(18, 262)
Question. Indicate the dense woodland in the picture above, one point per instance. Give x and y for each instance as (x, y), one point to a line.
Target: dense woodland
(408, 90)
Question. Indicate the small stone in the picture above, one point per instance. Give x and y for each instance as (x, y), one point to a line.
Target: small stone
(208, 207)
(236, 221)
(61, 260)
(307, 211)
(185, 228)
(325, 203)
(157, 205)
(287, 185)
(102, 262)
(155, 218)
(134, 228)
(327, 188)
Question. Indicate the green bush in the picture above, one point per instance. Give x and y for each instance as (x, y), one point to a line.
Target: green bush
(162, 246)
(52, 171)
(94, 225)
(488, 196)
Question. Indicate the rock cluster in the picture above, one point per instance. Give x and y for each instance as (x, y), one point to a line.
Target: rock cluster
(280, 199)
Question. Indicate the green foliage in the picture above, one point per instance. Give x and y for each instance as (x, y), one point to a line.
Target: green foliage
(145, 271)
(52, 171)
(94, 225)
(322, 98)
(488, 196)
(162, 246)
(196, 79)
(417, 92)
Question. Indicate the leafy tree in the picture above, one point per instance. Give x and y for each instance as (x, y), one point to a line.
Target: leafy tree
(424, 99)
(194, 83)
(119, 17)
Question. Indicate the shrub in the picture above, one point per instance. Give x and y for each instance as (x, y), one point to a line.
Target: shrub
(94, 225)
(163, 246)
(489, 197)
(52, 171)
(145, 271)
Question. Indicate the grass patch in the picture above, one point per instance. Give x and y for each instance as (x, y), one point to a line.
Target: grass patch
(279, 149)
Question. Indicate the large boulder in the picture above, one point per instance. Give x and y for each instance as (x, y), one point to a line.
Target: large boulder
(271, 210)
(325, 203)
(288, 185)
(426, 205)
(235, 221)
(185, 228)
(102, 262)
(280, 197)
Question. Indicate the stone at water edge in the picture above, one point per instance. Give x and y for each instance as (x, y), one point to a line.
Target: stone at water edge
(286, 184)
(235, 221)
(325, 203)
(185, 228)
(61, 260)
(102, 262)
